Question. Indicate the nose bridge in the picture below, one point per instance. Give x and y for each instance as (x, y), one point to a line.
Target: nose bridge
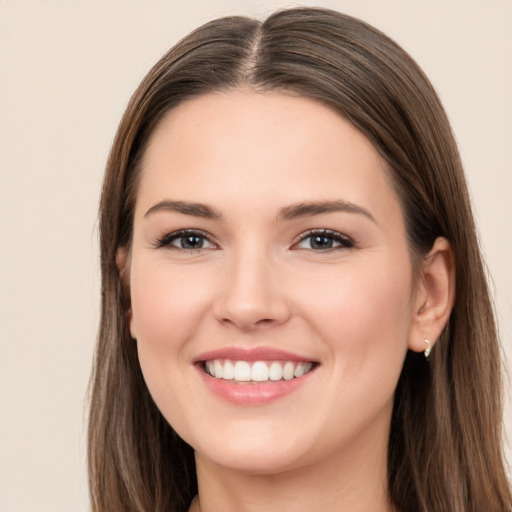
(251, 295)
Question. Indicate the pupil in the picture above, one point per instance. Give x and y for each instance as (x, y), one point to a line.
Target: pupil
(191, 242)
(321, 242)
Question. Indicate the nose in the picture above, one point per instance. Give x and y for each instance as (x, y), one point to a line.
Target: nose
(252, 295)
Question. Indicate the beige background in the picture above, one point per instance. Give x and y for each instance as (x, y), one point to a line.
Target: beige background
(67, 69)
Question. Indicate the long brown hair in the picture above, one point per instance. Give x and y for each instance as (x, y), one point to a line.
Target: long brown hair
(445, 450)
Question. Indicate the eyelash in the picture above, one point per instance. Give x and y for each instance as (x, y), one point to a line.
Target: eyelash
(343, 241)
(166, 240)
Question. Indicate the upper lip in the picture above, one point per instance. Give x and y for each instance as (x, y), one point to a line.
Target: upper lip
(250, 354)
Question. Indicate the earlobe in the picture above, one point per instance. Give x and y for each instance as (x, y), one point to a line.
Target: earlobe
(435, 296)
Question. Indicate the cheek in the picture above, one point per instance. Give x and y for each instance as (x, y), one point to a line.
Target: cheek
(167, 307)
(361, 318)
(166, 303)
(364, 315)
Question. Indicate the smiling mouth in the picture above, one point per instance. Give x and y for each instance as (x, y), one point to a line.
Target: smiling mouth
(256, 371)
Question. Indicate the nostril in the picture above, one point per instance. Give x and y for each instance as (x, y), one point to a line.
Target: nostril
(265, 321)
(248, 323)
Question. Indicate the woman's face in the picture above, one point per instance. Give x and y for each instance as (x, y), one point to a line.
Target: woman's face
(268, 243)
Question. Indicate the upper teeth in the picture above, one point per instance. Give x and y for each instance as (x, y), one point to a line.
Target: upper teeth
(259, 371)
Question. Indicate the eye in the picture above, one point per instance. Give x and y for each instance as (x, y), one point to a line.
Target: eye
(324, 240)
(188, 240)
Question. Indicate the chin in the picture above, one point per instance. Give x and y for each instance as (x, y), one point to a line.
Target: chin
(261, 450)
(265, 461)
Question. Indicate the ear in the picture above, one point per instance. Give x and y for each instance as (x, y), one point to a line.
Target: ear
(123, 268)
(123, 264)
(435, 296)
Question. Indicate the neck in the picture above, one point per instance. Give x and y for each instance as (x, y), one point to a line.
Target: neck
(351, 480)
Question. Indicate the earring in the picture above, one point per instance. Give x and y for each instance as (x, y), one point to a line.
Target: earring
(428, 349)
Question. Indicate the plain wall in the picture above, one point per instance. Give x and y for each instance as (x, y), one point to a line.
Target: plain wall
(67, 69)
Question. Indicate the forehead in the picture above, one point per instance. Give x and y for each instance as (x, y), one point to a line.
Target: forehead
(253, 146)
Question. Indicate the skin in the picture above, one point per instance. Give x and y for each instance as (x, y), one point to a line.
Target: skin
(354, 309)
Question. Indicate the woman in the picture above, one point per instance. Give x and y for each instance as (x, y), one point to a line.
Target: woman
(295, 312)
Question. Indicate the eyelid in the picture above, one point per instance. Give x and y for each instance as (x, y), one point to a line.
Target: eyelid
(345, 241)
(166, 240)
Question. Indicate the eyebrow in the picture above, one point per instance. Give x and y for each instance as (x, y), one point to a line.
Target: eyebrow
(310, 209)
(194, 209)
(294, 211)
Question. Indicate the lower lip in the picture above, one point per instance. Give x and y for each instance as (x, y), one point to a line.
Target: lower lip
(250, 393)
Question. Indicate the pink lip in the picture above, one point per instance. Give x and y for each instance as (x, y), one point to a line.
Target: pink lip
(247, 393)
(250, 354)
